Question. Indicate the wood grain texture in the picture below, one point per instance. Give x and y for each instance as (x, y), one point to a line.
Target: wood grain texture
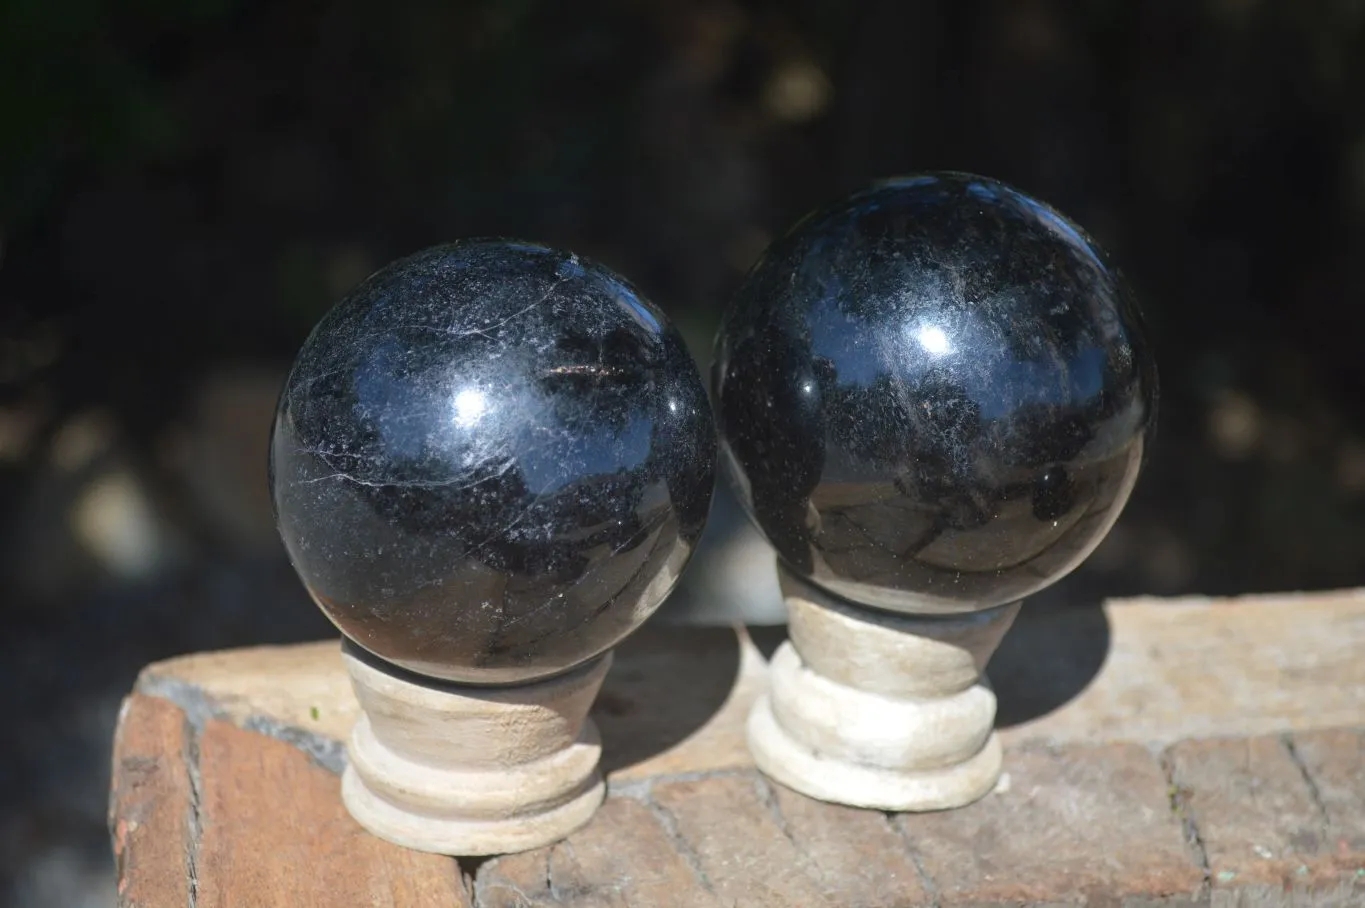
(1262, 810)
(275, 835)
(858, 855)
(1202, 730)
(1077, 823)
(151, 805)
(1174, 670)
(623, 857)
(1335, 762)
(1205, 668)
(737, 844)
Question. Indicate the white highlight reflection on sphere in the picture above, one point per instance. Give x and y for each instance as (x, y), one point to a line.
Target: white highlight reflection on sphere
(934, 340)
(470, 405)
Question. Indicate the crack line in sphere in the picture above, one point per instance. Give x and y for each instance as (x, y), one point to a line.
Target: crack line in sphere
(592, 615)
(451, 484)
(384, 332)
(312, 380)
(535, 500)
(644, 531)
(484, 331)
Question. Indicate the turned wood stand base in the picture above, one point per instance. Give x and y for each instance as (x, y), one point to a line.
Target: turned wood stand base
(471, 771)
(874, 709)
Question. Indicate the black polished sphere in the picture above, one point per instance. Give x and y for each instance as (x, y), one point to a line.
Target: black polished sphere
(934, 395)
(491, 461)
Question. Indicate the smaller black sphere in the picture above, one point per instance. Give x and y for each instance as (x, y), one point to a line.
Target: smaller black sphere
(492, 461)
(934, 395)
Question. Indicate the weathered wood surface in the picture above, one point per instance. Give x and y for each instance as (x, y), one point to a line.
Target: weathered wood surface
(1157, 752)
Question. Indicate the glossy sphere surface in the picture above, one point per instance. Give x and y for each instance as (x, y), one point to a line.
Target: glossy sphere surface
(934, 396)
(491, 461)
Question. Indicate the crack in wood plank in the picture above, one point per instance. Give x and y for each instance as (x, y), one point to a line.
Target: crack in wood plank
(1179, 805)
(675, 838)
(194, 816)
(1324, 821)
(765, 797)
(925, 880)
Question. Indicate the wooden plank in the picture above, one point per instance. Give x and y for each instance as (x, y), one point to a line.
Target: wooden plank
(276, 835)
(1175, 670)
(1087, 813)
(151, 804)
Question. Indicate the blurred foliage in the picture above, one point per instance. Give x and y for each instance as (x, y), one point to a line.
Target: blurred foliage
(79, 91)
(185, 185)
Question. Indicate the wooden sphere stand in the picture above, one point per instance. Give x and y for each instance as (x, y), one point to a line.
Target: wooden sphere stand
(466, 771)
(877, 709)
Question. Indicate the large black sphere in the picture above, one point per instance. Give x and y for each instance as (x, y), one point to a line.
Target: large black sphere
(934, 395)
(491, 461)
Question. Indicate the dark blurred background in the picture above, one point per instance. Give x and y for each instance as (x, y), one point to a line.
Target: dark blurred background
(187, 185)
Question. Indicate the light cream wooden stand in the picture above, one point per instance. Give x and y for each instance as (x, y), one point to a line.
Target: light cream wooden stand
(880, 710)
(469, 771)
